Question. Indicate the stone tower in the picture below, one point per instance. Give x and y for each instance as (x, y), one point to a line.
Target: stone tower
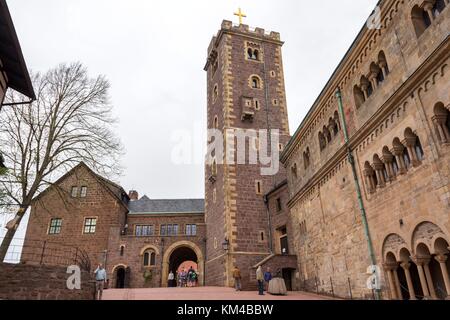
(246, 90)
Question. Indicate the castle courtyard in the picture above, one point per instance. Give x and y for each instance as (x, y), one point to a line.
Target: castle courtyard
(203, 294)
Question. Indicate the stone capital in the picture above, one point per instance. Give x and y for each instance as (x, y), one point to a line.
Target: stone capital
(439, 119)
(421, 261)
(410, 141)
(441, 258)
(398, 150)
(405, 265)
(390, 266)
(387, 158)
(428, 5)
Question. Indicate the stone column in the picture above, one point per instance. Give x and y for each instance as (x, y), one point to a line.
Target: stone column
(426, 267)
(369, 180)
(398, 153)
(373, 80)
(412, 293)
(397, 283)
(365, 90)
(411, 145)
(428, 7)
(380, 175)
(442, 259)
(423, 281)
(388, 268)
(439, 122)
(383, 67)
(388, 162)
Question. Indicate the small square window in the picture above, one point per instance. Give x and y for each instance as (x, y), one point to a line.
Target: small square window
(55, 226)
(74, 192)
(90, 225)
(191, 230)
(163, 229)
(83, 192)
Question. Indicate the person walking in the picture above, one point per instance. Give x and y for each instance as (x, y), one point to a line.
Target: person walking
(184, 278)
(180, 278)
(190, 277)
(260, 279)
(100, 278)
(237, 279)
(267, 278)
(194, 277)
(170, 279)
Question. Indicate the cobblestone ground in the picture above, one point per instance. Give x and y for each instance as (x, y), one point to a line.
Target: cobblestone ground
(201, 293)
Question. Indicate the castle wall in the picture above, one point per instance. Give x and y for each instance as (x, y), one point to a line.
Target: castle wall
(402, 105)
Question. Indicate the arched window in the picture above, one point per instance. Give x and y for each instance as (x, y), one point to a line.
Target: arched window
(306, 158)
(255, 82)
(294, 170)
(327, 134)
(359, 97)
(395, 166)
(149, 258)
(337, 120)
(366, 87)
(371, 177)
(250, 53)
(255, 55)
(447, 123)
(406, 158)
(441, 120)
(376, 70)
(419, 150)
(369, 89)
(420, 20)
(382, 61)
(439, 6)
(322, 141)
(216, 122)
(334, 126)
(122, 249)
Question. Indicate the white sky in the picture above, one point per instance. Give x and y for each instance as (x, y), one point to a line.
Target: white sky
(153, 53)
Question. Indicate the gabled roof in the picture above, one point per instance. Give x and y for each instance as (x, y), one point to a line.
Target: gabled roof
(174, 206)
(11, 55)
(115, 190)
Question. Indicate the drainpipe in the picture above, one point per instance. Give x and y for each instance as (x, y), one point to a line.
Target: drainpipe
(269, 221)
(351, 160)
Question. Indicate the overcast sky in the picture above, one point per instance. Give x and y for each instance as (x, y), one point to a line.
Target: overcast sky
(153, 53)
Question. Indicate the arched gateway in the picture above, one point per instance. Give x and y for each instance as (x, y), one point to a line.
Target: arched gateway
(178, 253)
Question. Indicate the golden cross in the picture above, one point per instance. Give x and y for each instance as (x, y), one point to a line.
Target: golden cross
(241, 15)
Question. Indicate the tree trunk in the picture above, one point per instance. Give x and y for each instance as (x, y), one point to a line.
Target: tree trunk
(10, 234)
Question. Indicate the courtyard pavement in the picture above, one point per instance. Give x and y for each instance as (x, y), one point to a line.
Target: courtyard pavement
(201, 293)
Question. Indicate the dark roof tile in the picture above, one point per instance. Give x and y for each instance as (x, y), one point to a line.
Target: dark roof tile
(149, 206)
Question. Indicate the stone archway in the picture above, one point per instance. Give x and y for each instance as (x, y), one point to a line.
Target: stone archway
(120, 276)
(179, 252)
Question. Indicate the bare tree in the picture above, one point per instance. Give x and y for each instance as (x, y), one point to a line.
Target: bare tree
(71, 121)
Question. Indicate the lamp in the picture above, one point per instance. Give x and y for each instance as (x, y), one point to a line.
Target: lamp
(226, 245)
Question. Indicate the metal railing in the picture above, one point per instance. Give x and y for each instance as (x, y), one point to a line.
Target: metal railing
(336, 288)
(41, 252)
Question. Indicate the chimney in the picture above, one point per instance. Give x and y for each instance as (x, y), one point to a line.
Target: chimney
(134, 195)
